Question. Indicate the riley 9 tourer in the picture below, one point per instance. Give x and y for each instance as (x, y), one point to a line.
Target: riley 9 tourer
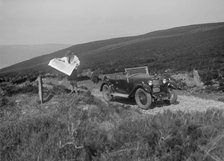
(136, 83)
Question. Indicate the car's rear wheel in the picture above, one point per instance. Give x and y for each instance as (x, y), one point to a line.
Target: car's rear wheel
(172, 96)
(107, 93)
(143, 99)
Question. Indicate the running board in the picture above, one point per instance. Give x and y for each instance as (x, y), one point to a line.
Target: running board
(120, 95)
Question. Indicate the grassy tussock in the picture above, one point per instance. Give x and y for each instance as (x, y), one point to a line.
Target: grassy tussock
(85, 128)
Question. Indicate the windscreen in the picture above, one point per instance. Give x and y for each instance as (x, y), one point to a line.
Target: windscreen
(138, 70)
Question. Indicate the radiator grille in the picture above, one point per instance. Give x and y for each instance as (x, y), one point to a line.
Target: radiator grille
(156, 82)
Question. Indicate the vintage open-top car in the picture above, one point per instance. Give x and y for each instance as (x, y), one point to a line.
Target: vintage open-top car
(138, 84)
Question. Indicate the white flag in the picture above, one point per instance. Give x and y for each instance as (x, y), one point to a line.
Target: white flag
(62, 64)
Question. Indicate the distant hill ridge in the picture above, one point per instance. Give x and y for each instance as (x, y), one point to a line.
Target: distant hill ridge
(180, 48)
(11, 54)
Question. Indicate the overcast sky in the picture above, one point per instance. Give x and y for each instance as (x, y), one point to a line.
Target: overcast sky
(78, 21)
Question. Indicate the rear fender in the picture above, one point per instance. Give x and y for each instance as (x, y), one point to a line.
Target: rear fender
(105, 81)
(101, 87)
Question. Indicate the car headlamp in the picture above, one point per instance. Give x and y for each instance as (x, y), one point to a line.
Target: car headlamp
(164, 81)
(150, 83)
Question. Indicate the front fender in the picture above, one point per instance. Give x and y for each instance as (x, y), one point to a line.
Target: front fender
(171, 85)
(146, 87)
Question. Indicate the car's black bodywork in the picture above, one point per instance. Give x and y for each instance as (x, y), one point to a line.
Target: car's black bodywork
(127, 84)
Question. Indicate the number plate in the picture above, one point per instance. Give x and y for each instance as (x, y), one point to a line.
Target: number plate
(155, 90)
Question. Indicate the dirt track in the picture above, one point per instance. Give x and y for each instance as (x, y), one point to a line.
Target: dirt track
(184, 103)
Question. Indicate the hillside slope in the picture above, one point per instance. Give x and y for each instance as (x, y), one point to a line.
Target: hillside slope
(182, 48)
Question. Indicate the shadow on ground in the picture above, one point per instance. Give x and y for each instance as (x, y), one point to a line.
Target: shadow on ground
(132, 102)
(162, 104)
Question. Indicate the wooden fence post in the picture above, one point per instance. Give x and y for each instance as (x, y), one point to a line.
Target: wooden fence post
(40, 87)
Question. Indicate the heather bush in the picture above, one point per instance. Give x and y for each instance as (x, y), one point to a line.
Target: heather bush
(104, 131)
(11, 90)
(30, 138)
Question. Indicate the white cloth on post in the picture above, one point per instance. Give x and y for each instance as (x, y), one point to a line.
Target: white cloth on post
(62, 64)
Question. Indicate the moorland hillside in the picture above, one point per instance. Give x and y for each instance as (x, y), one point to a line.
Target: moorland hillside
(181, 49)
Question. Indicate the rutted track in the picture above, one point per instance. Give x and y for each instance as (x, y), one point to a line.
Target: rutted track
(184, 103)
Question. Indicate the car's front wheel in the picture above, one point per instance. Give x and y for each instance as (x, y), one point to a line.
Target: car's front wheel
(106, 93)
(143, 98)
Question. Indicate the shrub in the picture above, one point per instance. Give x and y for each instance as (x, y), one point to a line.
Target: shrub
(109, 132)
(26, 139)
(14, 89)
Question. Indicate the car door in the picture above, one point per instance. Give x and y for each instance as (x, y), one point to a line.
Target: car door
(121, 85)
